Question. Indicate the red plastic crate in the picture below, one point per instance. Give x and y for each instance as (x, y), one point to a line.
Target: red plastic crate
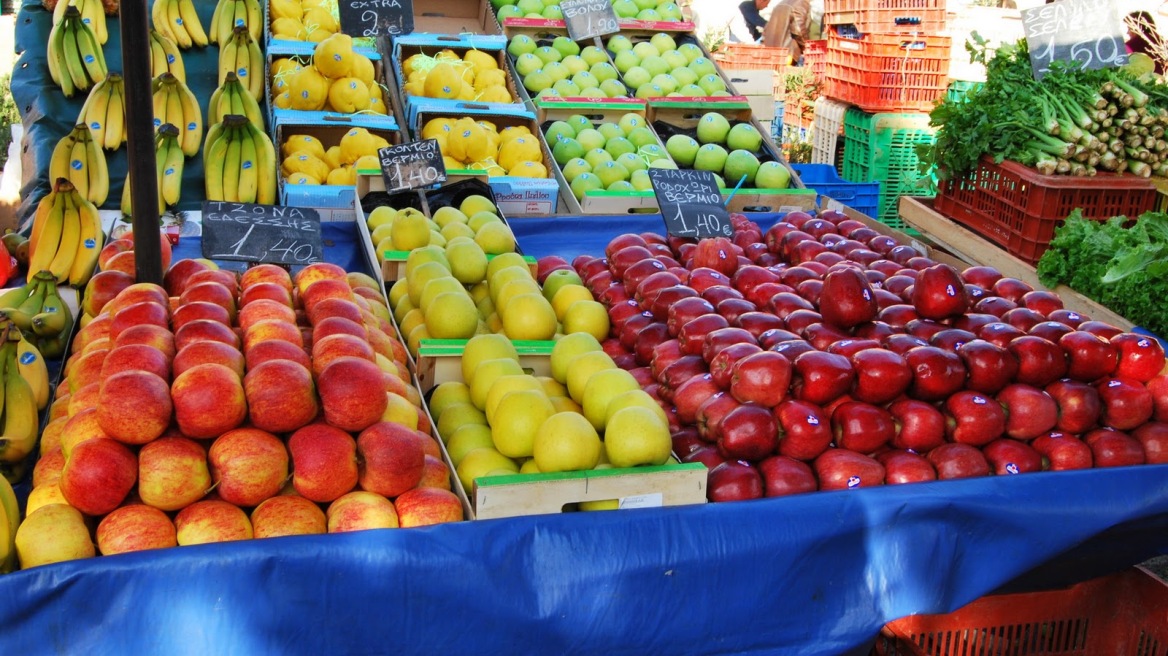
(887, 16)
(1123, 614)
(1018, 208)
(749, 56)
(815, 57)
(888, 72)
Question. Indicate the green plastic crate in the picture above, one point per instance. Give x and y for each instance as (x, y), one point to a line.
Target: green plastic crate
(882, 148)
(958, 89)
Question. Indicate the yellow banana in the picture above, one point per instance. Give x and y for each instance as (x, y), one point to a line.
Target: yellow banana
(174, 58)
(228, 51)
(231, 165)
(255, 18)
(191, 128)
(92, 56)
(43, 244)
(93, 15)
(190, 22)
(71, 57)
(98, 170)
(127, 206)
(20, 413)
(79, 168)
(16, 296)
(31, 365)
(56, 56)
(265, 165)
(11, 510)
(216, 19)
(174, 105)
(255, 69)
(159, 98)
(115, 117)
(88, 247)
(172, 164)
(70, 235)
(213, 164)
(249, 171)
(62, 153)
(158, 63)
(94, 112)
(213, 135)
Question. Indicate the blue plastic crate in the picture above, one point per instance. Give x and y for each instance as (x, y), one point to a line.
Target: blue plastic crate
(864, 197)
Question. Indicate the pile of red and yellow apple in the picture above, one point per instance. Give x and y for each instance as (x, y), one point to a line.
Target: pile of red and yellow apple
(224, 407)
(822, 354)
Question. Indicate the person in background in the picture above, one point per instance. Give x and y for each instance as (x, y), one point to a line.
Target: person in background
(789, 26)
(752, 15)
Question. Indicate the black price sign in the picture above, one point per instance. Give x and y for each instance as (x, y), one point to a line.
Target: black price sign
(1088, 33)
(412, 165)
(690, 203)
(261, 233)
(586, 19)
(361, 18)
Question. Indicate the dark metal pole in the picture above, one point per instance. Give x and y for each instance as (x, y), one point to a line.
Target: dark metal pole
(140, 137)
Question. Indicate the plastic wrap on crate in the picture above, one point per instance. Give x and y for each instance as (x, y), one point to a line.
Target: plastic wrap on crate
(433, 43)
(826, 128)
(882, 147)
(864, 197)
(1018, 208)
(303, 51)
(887, 72)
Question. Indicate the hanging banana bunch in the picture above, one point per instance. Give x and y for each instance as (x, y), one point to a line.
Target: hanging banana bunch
(165, 57)
(78, 158)
(92, 14)
(104, 112)
(66, 237)
(174, 103)
(239, 162)
(241, 55)
(76, 61)
(234, 98)
(179, 22)
(230, 14)
(168, 159)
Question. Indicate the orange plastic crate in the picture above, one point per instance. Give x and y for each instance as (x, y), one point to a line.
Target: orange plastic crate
(887, 16)
(1123, 614)
(1018, 208)
(888, 72)
(748, 56)
(815, 57)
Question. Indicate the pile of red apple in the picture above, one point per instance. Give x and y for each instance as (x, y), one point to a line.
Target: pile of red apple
(222, 407)
(822, 354)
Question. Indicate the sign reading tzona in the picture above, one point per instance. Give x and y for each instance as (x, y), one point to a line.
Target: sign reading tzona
(1086, 33)
(373, 18)
(586, 19)
(261, 233)
(412, 165)
(691, 203)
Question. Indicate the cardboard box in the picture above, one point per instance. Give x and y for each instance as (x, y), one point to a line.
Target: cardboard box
(454, 17)
(430, 44)
(302, 52)
(329, 134)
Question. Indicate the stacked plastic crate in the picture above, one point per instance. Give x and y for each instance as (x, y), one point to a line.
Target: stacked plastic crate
(887, 66)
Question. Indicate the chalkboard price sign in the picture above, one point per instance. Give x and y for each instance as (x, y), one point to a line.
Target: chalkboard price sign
(690, 203)
(1087, 33)
(586, 19)
(362, 18)
(412, 165)
(261, 233)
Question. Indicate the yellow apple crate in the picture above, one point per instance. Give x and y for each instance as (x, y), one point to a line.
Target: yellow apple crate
(624, 489)
(429, 45)
(440, 360)
(329, 134)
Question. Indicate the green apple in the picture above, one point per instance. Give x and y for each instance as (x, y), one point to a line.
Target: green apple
(712, 128)
(538, 81)
(527, 63)
(593, 55)
(684, 76)
(596, 157)
(744, 137)
(566, 88)
(567, 149)
(530, 6)
(630, 121)
(653, 153)
(633, 162)
(548, 92)
(636, 77)
(711, 83)
(620, 185)
(578, 122)
(613, 88)
(642, 136)
(663, 42)
(772, 175)
(575, 167)
(625, 60)
(564, 45)
(711, 157)
(552, 13)
(508, 11)
(619, 43)
(701, 65)
(648, 15)
(585, 183)
(692, 52)
(650, 90)
(683, 149)
(645, 49)
(556, 70)
(603, 71)
(548, 54)
(719, 181)
(655, 65)
(645, 4)
(592, 92)
(669, 11)
(740, 164)
(590, 138)
(640, 180)
(663, 163)
(691, 91)
(521, 44)
(610, 172)
(557, 279)
(675, 59)
(666, 82)
(550, 3)
(624, 9)
(585, 80)
(574, 63)
(618, 146)
(497, 4)
(610, 131)
(559, 130)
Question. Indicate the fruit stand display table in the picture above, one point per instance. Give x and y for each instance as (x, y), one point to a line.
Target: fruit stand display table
(812, 574)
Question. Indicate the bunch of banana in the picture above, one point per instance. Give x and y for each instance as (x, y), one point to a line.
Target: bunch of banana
(76, 61)
(178, 20)
(81, 160)
(92, 14)
(66, 236)
(21, 419)
(241, 55)
(9, 521)
(169, 159)
(234, 98)
(52, 322)
(104, 112)
(239, 162)
(165, 57)
(174, 103)
(230, 14)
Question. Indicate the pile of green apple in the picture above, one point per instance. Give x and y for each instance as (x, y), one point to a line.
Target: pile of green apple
(563, 69)
(647, 10)
(609, 156)
(731, 152)
(659, 67)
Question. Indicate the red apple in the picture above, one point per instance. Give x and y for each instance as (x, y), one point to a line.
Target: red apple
(391, 458)
(862, 427)
(1099, 328)
(761, 378)
(999, 333)
(97, 476)
(974, 419)
(983, 276)
(722, 364)
(846, 299)
(707, 455)
(937, 373)
(351, 392)
(1154, 438)
(989, 367)
(1126, 403)
(805, 431)
(1078, 403)
(820, 378)
(1023, 318)
(721, 338)
(690, 395)
(1141, 357)
(692, 335)
(1050, 330)
(1158, 386)
(1089, 357)
(1112, 448)
(841, 469)
(1040, 362)
(748, 432)
(711, 413)
(651, 335)
(881, 375)
(901, 467)
(958, 461)
(324, 462)
(1007, 457)
(938, 293)
(783, 476)
(1063, 452)
(758, 323)
(1011, 289)
(208, 400)
(1030, 411)
(919, 426)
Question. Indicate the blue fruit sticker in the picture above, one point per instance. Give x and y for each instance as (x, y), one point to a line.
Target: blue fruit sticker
(853, 481)
(90, 243)
(169, 171)
(241, 72)
(238, 22)
(1011, 468)
(27, 358)
(192, 126)
(86, 21)
(246, 165)
(76, 165)
(157, 122)
(337, 56)
(95, 125)
(170, 59)
(178, 21)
